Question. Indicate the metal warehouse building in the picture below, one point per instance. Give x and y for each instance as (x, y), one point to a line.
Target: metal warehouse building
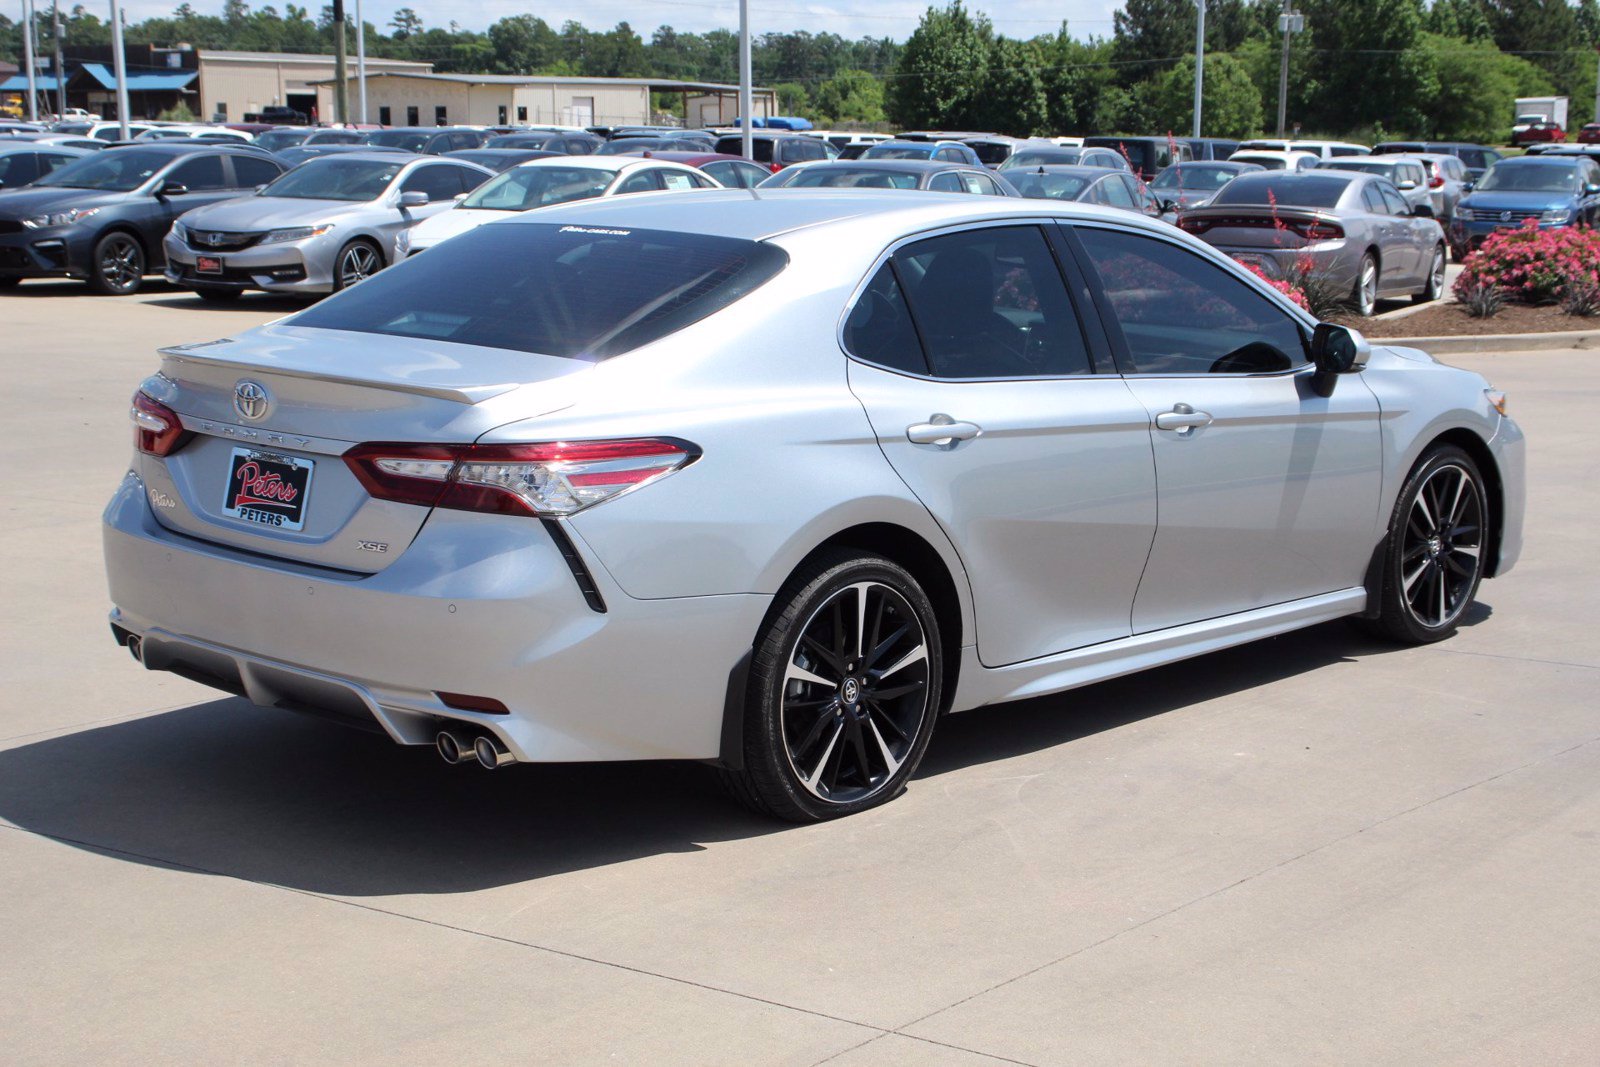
(233, 84)
(423, 99)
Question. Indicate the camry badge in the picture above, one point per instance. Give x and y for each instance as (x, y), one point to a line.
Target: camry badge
(251, 399)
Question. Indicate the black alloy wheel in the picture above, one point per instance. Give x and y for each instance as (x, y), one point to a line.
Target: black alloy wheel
(117, 267)
(844, 691)
(1434, 557)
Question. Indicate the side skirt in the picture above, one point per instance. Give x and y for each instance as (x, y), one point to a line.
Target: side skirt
(982, 685)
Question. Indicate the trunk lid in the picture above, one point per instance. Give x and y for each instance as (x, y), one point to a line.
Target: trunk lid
(265, 474)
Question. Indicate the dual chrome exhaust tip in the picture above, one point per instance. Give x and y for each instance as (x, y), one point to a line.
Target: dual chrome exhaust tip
(456, 748)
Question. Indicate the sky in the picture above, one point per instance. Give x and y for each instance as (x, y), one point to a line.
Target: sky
(888, 18)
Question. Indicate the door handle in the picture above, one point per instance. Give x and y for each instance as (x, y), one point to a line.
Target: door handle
(1183, 419)
(942, 431)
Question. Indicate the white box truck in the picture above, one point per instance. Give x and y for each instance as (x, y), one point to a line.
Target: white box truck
(1531, 109)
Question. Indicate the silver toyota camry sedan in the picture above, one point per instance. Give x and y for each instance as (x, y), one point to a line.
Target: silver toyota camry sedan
(774, 480)
(321, 227)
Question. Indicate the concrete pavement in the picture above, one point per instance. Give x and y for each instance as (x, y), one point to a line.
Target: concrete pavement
(1313, 849)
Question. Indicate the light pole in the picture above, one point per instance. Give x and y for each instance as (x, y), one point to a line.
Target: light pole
(60, 71)
(341, 100)
(1199, 62)
(119, 64)
(1289, 23)
(746, 92)
(361, 65)
(27, 59)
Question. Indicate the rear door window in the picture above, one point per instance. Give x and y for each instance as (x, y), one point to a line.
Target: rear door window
(879, 329)
(439, 182)
(199, 174)
(560, 290)
(991, 303)
(249, 173)
(945, 183)
(640, 181)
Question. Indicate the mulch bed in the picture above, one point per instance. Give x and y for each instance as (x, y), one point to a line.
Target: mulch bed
(1451, 320)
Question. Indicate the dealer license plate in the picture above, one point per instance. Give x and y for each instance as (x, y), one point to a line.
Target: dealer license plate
(208, 264)
(268, 488)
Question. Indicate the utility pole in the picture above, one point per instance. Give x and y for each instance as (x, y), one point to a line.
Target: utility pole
(1199, 62)
(1289, 23)
(341, 105)
(120, 65)
(61, 73)
(361, 65)
(27, 60)
(746, 90)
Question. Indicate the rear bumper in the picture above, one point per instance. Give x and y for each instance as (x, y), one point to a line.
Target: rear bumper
(477, 604)
(1330, 261)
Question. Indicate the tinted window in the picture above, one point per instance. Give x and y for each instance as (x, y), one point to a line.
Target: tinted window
(1337, 151)
(1372, 200)
(18, 168)
(1182, 315)
(470, 179)
(1307, 190)
(199, 174)
(990, 303)
(249, 173)
(1033, 157)
(729, 173)
(641, 181)
(991, 153)
(49, 161)
(836, 176)
(1393, 200)
(879, 328)
(945, 183)
(408, 140)
(548, 289)
(120, 171)
(980, 184)
(1049, 186)
(802, 149)
(439, 182)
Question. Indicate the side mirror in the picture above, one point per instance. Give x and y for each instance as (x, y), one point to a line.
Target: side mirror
(413, 199)
(1591, 189)
(1169, 205)
(172, 189)
(1407, 186)
(1336, 350)
(1468, 186)
(1423, 211)
(459, 197)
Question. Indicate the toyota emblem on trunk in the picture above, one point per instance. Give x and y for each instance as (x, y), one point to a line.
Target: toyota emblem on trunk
(251, 399)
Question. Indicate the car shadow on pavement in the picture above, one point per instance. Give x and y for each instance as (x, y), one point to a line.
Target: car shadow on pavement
(256, 303)
(226, 788)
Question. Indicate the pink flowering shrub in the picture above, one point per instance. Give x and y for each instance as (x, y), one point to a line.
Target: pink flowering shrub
(1532, 265)
(1288, 289)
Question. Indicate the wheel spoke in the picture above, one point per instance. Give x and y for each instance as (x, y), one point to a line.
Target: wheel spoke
(1422, 505)
(824, 716)
(861, 619)
(799, 673)
(1410, 580)
(894, 691)
(815, 776)
(858, 748)
(888, 757)
(918, 653)
(883, 647)
(817, 649)
(888, 721)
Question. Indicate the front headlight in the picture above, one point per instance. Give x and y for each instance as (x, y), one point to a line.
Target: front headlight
(59, 218)
(402, 243)
(1464, 213)
(1556, 214)
(180, 231)
(299, 233)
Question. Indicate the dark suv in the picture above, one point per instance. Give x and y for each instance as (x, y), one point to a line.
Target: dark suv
(429, 140)
(102, 218)
(775, 150)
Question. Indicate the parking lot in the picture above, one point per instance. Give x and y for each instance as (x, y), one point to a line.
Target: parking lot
(1312, 849)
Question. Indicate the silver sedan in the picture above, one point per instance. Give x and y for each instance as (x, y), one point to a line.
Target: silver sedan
(321, 227)
(1352, 232)
(775, 481)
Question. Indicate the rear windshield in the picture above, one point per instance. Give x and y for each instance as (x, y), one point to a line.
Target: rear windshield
(1290, 190)
(1139, 154)
(898, 151)
(1033, 157)
(409, 140)
(846, 177)
(273, 140)
(990, 153)
(574, 291)
(1051, 186)
(1194, 176)
(524, 188)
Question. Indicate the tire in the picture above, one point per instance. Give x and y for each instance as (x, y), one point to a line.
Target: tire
(827, 731)
(1435, 287)
(1432, 568)
(219, 296)
(118, 265)
(1364, 296)
(358, 260)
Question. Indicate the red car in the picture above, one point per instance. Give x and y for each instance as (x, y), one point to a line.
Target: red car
(1538, 133)
(1590, 134)
(736, 172)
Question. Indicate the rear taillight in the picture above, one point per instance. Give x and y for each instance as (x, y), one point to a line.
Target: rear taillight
(1194, 225)
(1318, 231)
(548, 479)
(1436, 182)
(157, 430)
(774, 167)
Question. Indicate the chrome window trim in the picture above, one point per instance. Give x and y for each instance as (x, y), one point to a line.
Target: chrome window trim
(941, 231)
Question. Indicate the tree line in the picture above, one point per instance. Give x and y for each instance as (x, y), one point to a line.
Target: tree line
(1363, 68)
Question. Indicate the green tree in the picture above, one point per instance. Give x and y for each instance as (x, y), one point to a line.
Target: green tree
(1011, 98)
(1231, 106)
(407, 23)
(1074, 75)
(1478, 87)
(1545, 31)
(1151, 35)
(941, 69)
(793, 99)
(523, 44)
(851, 96)
(1365, 65)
